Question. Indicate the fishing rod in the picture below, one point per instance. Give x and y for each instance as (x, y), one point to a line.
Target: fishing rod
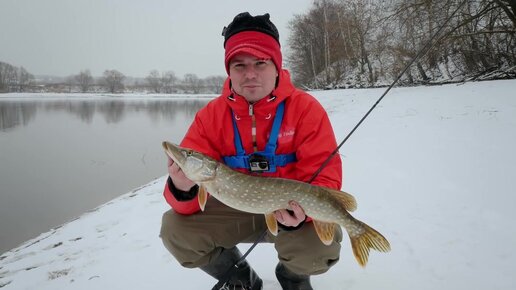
(429, 44)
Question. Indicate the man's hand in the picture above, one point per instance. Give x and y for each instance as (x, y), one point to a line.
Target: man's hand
(291, 218)
(178, 177)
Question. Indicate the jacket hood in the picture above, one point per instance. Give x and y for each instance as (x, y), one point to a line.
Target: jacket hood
(265, 106)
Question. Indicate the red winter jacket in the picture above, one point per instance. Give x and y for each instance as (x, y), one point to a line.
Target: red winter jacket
(305, 131)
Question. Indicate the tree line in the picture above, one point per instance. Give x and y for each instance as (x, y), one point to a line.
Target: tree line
(14, 79)
(113, 81)
(167, 82)
(351, 43)
(367, 43)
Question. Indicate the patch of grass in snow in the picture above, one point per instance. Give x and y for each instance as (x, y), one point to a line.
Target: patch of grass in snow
(60, 273)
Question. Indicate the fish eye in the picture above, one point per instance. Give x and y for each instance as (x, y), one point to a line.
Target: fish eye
(189, 153)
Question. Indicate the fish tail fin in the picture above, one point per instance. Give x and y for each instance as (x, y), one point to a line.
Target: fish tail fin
(369, 239)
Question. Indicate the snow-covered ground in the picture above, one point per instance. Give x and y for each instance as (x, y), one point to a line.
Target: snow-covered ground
(432, 168)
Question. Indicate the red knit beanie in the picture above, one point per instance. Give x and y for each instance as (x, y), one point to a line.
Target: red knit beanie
(258, 44)
(255, 35)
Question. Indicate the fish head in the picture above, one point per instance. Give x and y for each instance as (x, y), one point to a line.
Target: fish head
(195, 165)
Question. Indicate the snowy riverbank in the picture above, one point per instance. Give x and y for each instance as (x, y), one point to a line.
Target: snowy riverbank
(432, 168)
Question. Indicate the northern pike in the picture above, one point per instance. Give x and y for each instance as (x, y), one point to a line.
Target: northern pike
(264, 195)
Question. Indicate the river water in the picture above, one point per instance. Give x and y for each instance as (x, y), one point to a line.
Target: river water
(64, 156)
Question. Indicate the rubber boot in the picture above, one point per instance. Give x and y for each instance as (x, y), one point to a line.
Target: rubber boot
(241, 277)
(292, 281)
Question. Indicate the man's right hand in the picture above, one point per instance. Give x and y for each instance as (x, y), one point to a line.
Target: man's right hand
(178, 177)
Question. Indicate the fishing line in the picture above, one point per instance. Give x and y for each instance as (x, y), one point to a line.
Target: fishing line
(429, 44)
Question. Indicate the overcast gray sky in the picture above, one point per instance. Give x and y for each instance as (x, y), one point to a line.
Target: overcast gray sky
(62, 37)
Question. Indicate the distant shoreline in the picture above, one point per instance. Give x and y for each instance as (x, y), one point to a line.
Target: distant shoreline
(82, 96)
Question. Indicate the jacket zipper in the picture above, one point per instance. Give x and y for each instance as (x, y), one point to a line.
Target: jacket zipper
(253, 127)
(251, 110)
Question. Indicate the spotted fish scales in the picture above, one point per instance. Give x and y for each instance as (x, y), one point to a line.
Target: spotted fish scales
(263, 195)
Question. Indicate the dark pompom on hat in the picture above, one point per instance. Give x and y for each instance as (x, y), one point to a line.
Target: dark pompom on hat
(245, 22)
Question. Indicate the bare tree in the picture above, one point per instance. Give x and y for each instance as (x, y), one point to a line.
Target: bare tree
(322, 45)
(13, 79)
(114, 80)
(6, 74)
(370, 42)
(25, 79)
(70, 83)
(509, 8)
(301, 57)
(168, 81)
(214, 83)
(3, 85)
(84, 80)
(9, 78)
(192, 83)
(154, 81)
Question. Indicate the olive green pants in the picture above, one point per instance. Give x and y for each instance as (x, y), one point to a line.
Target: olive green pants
(195, 240)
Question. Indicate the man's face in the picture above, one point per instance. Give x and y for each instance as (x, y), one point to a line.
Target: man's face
(251, 77)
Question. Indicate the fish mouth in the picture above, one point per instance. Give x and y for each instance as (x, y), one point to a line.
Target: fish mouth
(175, 152)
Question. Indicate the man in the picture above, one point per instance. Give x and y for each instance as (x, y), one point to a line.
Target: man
(261, 124)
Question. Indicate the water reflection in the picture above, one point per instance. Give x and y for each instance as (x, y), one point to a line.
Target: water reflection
(21, 113)
(62, 157)
(13, 114)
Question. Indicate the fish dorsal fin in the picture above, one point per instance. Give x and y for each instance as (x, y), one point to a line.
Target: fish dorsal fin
(325, 231)
(202, 197)
(345, 199)
(271, 222)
